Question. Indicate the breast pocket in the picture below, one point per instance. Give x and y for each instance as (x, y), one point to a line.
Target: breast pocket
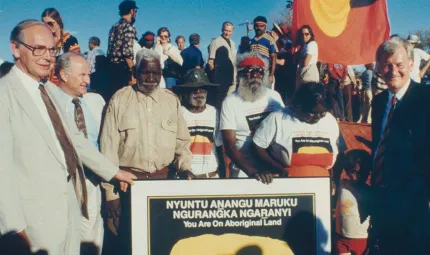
(168, 133)
(128, 133)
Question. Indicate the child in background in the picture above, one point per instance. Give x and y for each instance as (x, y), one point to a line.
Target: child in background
(352, 210)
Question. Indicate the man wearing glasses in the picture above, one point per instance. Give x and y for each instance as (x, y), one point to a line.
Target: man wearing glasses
(42, 182)
(243, 111)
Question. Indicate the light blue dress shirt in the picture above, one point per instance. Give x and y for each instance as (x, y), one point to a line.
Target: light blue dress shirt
(90, 122)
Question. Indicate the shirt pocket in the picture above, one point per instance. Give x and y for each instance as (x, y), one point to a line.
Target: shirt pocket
(168, 133)
(128, 133)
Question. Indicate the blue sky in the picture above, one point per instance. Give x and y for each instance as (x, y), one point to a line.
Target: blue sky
(86, 18)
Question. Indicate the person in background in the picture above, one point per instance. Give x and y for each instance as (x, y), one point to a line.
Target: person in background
(336, 74)
(203, 123)
(63, 40)
(5, 68)
(302, 139)
(419, 55)
(347, 85)
(366, 106)
(147, 40)
(222, 62)
(265, 44)
(307, 56)
(94, 46)
(244, 45)
(353, 204)
(241, 114)
(192, 56)
(180, 42)
(120, 53)
(170, 57)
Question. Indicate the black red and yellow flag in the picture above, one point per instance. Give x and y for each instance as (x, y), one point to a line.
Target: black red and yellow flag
(347, 31)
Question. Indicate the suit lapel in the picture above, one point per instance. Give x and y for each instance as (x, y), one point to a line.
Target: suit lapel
(33, 113)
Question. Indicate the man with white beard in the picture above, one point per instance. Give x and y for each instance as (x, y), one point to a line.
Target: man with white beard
(241, 114)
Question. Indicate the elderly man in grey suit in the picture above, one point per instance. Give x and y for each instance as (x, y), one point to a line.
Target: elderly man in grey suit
(84, 110)
(42, 183)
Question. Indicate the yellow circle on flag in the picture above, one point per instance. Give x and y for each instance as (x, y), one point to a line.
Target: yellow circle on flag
(331, 15)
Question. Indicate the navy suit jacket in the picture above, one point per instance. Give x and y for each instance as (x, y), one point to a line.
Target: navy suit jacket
(406, 167)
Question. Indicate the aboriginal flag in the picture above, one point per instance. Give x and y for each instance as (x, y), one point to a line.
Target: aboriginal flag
(347, 31)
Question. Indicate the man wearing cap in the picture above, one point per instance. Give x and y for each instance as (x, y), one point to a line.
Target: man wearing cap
(419, 55)
(222, 61)
(122, 36)
(241, 114)
(192, 56)
(203, 123)
(144, 131)
(264, 44)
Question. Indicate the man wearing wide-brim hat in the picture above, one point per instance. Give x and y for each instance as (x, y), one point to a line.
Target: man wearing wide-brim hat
(419, 55)
(203, 123)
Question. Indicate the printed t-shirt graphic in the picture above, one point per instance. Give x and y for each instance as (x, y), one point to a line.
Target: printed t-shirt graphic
(204, 139)
(317, 150)
(254, 117)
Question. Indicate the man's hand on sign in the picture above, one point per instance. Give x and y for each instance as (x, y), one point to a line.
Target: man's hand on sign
(186, 174)
(113, 213)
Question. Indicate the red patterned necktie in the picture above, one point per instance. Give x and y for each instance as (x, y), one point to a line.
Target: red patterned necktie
(79, 117)
(379, 158)
(69, 152)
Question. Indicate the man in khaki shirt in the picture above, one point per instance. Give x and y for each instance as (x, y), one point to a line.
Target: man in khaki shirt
(144, 132)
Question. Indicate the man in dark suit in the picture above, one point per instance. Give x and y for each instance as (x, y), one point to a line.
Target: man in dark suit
(401, 150)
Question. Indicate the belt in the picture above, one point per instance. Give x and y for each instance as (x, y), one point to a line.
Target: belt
(140, 174)
(206, 175)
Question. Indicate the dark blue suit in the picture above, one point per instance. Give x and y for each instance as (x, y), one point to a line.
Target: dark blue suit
(400, 217)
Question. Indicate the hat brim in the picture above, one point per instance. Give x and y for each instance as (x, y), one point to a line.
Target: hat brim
(278, 29)
(197, 85)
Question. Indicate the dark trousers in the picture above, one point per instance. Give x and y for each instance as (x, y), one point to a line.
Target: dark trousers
(332, 98)
(120, 76)
(347, 100)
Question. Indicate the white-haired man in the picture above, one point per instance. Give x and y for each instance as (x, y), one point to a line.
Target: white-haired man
(84, 110)
(144, 131)
(243, 111)
(400, 220)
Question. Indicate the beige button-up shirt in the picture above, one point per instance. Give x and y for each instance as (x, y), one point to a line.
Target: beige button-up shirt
(145, 133)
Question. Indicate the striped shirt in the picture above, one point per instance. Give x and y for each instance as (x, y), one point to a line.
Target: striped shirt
(264, 44)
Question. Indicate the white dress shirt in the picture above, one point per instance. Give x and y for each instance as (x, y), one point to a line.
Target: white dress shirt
(32, 87)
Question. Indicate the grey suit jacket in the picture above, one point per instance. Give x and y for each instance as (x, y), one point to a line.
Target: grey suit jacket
(35, 195)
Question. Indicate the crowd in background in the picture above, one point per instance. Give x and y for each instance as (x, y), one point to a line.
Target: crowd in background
(156, 110)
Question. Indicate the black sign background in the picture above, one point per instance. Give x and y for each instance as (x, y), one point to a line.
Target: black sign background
(165, 231)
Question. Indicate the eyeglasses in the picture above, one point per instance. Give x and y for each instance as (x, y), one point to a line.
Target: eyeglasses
(40, 50)
(164, 36)
(253, 71)
(306, 34)
(51, 24)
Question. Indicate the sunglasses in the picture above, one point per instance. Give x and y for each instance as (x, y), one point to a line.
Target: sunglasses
(164, 36)
(51, 24)
(306, 34)
(253, 71)
(198, 91)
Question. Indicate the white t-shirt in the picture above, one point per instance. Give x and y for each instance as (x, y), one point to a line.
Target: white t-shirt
(205, 137)
(296, 143)
(312, 49)
(353, 201)
(419, 55)
(245, 117)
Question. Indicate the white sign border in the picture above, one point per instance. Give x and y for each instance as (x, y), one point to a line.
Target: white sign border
(233, 187)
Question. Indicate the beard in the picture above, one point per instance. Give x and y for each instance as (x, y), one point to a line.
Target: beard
(251, 89)
(147, 89)
(198, 101)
